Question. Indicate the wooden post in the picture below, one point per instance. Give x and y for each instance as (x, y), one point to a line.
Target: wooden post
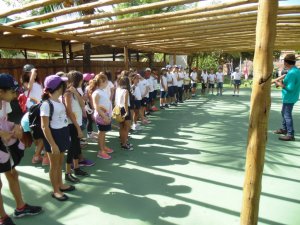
(165, 58)
(64, 49)
(137, 57)
(71, 55)
(114, 55)
(25, 54)
(259, 109)
(174, 59)
(151, 57)
(126, 58)
(87, 58)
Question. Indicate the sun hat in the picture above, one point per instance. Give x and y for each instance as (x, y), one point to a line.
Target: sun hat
(53, 81)
(88, 76)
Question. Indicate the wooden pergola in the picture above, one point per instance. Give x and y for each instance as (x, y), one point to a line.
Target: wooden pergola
(242, 25)
(224, 27)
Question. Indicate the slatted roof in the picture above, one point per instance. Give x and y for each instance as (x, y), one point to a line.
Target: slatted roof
(224, 27)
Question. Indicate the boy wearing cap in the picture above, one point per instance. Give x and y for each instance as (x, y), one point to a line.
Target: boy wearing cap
(11, 155)
(193, 77)
(236, 77)
(290, 94)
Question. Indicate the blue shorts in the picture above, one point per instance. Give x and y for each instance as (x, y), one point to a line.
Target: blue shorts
(137, 104)
(211, 85)
(194, 85)
(144, 102)
(154, 94)
(220, 85)
(104, 127)
(237, 82)
(171, 91)
(163, 94)
(151, 96)
(61, 138)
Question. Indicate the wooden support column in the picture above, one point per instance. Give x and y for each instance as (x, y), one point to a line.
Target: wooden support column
(259, 109)
(87, 68)
(71, 55)
(165, 58)
(150, 56)
(137, 57)
(174, 60)
(197, 61)
(114, 55)
(64, 49)
(25, 54)
(129, 56)
(126, 62)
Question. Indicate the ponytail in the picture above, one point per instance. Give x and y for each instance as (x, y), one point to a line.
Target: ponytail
(93, 84)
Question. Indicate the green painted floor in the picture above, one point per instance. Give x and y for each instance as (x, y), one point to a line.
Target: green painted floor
(187, 169)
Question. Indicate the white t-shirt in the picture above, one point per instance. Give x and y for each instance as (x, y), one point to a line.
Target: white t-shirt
(5, 109)
(59, 118)
(193, 77)
(180, 82)
(143, 84)
(169, 79)
(150, 84)
(211, 78)
(163, 83)
(120, 97)
(220, 77)
(35, 95)
(137, 93)
(76, 109)
(108, 88)
(154, 81)
(104, 99)
(236, 75)
(204, 77)
(175, 81)
(187, 79)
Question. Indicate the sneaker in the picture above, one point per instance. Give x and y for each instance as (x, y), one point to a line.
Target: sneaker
(127, 147)
(37, 159)
(109, 150)
(280, 131)
(45, 161)
(80, 172)
(161, 107)
(145, 122)
(86, 162)
(166, 106)
(7, 221)
(92, 138)
(83, 143)
(69, 177)
(155, 109)
(103, 155)
(28, 210)
(286, 138)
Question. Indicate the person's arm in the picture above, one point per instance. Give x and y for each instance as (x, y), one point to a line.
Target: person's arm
(32, 79)
(99, 108)
(70, 113)
(126, 103)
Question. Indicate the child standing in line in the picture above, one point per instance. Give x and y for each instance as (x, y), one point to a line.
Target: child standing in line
(186, 86)
(11, 155)
(143, 85)
(236, 77)
(102, 113)
(193, 77)
(220, 80)
(211, 81)
(74, 105)
(180, 79)
(163, 88)
(204, 81)
(56, 132)
(136, 92)
(122, 100)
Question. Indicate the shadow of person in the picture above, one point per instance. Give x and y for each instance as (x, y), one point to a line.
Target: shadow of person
(142, 208)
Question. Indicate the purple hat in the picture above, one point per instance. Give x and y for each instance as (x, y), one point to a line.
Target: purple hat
(88, 76)
(53, 81)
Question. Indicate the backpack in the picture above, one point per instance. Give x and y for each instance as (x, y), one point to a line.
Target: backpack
(35, 118)
(116, 114)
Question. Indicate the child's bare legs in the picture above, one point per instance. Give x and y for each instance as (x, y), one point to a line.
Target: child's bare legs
(14, 186)
(39, 145)
(55, 172)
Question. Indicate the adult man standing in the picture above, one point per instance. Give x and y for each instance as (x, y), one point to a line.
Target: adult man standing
(290, 95)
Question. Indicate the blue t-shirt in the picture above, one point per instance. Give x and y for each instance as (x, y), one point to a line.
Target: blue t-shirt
(290, 93)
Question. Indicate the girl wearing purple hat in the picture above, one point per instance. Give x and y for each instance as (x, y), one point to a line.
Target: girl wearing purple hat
(57, 138)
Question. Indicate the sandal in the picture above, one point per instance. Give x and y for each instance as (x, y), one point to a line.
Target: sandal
(61, 198)
(70, 188)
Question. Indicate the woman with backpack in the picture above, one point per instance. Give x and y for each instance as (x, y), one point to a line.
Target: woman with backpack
(56, 132)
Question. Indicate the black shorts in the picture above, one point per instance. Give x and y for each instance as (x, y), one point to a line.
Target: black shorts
(186, 87)
(204, 85)
(137, 104)
(237, 82)
(128, 117)
(104, 127)
(163, 94)
(151, 96)
(211, 85)
(61, 138)
(37, 134)
(16, 155)
(194, 85)
(154, 94)
(144, 102)
(171, 91)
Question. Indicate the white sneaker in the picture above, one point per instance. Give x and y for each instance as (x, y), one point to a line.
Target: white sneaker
(138, 127)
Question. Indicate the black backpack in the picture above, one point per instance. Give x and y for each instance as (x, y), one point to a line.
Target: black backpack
(35, 118)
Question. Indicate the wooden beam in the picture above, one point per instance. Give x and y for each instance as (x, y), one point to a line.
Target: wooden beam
(134, 9)
(76, 8)
(259, 110)
(126, 61)
(29, 6)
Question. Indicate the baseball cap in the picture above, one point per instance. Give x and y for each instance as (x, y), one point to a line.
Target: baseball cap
(8, 82)
(147, 69)
(163, 69)
(88, 76)
(27, 68)
(53, 81)
(290, 57)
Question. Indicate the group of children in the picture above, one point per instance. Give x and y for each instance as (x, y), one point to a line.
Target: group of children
(71, 102)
